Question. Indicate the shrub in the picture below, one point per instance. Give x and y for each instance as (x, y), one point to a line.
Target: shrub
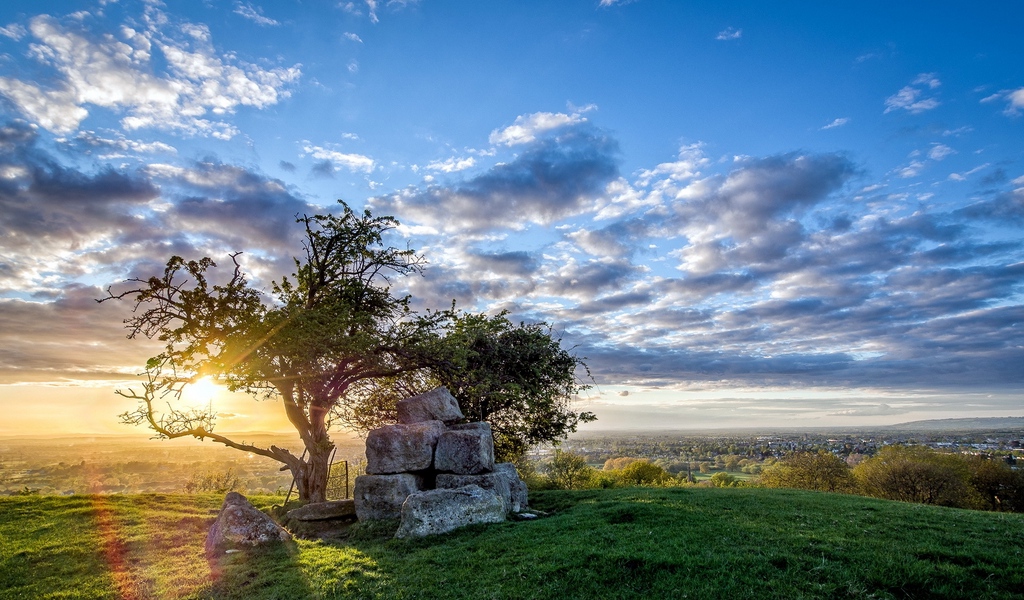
(819, 471)
(569, 471)
(723, 479)
(643, 472)
(918, 474)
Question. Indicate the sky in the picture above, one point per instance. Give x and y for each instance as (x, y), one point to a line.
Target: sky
(741, 214)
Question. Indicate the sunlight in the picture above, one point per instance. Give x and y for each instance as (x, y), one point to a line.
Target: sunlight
(201, 392)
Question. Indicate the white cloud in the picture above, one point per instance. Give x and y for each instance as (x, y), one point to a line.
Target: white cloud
(13, 31)
(940, 151)
(353, 66)
(836, 123)
(353, 37)
(1016, 99)
(963, 176)
(729, 33)
(352, 162)
(452, 164)
(911, 170)
(120, 75)
(526, 128)
(254, 14)
(910, 98)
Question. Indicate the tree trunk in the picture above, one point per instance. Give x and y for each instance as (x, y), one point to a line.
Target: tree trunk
(311, 480)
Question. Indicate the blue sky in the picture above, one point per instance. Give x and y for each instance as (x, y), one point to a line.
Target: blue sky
(742, 214)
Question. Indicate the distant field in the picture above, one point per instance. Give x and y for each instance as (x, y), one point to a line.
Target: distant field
(632, 543)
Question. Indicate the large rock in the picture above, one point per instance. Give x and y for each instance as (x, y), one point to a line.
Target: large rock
(440, 511)
(381, 496)
(465, 451)
(324, 511)
(518, 493)
(474, 426)
(436, 405)
(402, 448)
(241, 526)
(497, 482)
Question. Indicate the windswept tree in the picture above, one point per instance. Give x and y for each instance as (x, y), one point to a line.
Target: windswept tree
(334, 324)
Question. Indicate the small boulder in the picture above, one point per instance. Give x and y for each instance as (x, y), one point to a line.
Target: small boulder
(436, 405)
(440, 511)
(241, 526)
(381, 496)
(402, 448)
(518, 492)
(465, 451)
(497, 482)
(324, 511)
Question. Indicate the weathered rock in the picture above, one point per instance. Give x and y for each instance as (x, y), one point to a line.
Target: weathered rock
(324, 511)
(440, 511)
(474, 426)
(381, 496)
(436, 405)
(241, 526)
(402, 448)
(497, 482)
(518, 493)
(466, 452)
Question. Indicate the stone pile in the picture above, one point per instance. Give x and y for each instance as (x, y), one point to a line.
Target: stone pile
(433, 473)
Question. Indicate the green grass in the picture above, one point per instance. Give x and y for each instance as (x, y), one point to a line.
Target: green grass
(639, 543)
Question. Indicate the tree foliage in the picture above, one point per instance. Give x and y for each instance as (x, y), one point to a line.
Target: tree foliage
(822, 471)
(333, 324)
(569, 471)
(917, 474)
(516, 377)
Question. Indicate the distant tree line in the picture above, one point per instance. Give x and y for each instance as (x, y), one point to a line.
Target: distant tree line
(905, 473)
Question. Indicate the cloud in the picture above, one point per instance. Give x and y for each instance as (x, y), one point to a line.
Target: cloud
(836, 123)
(552, 178)
(940, 151)
(332, 159)
(13, 31)
(353, 37)
(1016, 102)
(119, 73)
(912, 98)
(527, 128)
(254, 14)
(452, 164)
(729, 33)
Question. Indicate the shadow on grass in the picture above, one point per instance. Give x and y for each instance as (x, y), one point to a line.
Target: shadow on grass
(268, 572)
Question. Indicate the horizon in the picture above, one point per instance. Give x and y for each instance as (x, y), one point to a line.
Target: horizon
(805, 218)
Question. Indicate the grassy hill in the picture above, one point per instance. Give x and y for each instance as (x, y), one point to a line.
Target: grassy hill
(639, 543)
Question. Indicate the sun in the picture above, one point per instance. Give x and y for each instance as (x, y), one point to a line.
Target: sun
(201, 391)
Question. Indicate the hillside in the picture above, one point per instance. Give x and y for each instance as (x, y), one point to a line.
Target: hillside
(638, 543)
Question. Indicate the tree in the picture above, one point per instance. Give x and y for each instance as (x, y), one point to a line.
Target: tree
(917, 474)
(518, 378)
(822, 471)
(569, 471)
(643, 472)
(334, 324)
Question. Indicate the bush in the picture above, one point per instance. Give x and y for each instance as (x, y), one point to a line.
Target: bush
(213, 482)
(723, 479)
(918, 474)
(643, 472)
(819, 471)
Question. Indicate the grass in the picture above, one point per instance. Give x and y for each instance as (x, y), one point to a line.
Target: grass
(638, 543)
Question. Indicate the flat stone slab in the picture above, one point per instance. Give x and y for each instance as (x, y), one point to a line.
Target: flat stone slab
(382, 496)
(436, 405)
(241, 526)
(440, 511)
(466, 452)
(402, 448)
(324, 511)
